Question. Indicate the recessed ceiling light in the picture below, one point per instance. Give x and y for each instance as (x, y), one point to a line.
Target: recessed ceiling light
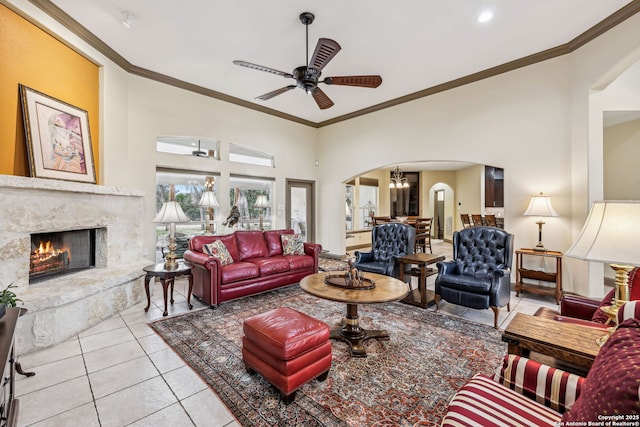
(485, 16)
(127, 19)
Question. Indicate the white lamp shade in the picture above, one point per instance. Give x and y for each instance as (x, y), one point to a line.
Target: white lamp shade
(208, 200)
(611, 234)
(262, 202)
(540, 206)
(171, 212)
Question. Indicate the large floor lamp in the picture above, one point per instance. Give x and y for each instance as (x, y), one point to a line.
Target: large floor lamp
(171, 213)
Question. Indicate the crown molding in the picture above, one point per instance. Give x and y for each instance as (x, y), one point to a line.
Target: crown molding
(75, 27)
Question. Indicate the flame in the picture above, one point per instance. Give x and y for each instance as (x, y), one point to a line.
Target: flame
(47, 250)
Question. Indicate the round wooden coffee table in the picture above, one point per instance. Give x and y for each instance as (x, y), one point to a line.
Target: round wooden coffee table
(386, 289)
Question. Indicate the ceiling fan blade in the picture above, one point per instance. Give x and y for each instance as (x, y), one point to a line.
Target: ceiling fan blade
(262, 68)
(326, 49)
(276, 92)
(361, 81)
(322, 99)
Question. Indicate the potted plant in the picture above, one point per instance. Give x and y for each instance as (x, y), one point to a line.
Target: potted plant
(8, 297)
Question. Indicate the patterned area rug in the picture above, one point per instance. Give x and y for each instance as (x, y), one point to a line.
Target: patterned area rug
(406, 381)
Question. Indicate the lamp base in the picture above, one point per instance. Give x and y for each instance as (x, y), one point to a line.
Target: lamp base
(540, 248)
(622, 283)
(170, 264)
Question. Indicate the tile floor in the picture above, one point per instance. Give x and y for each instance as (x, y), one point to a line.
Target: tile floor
(120, 373)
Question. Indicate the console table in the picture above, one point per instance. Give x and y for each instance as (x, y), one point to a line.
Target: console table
(9, 405)
(544, 276)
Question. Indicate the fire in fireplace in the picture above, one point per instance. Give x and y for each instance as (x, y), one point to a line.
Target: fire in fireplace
(61, 252)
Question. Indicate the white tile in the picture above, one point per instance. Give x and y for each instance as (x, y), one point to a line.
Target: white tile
(184, 382)
(85, 416)
(110, 356)
(54, 400)
(139, 316)
(173, 415)
(118, 377)
(109, 324)
(134, 403)
(106, 339)
(140, 330)
(153, 343)
(51, 374)
(166, 360)
(206, 409)
(42, 357)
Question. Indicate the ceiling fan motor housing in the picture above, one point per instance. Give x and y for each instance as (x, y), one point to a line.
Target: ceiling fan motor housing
(306, 78)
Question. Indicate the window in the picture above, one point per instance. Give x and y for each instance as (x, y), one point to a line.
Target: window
(368, 204)
(188, 188)
(189, 146)
(244, 194)
(240, 154)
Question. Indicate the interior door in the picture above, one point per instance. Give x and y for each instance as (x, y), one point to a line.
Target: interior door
(438, 214)
(300, 208)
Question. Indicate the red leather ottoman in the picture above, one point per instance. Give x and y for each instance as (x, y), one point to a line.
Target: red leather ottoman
(287, 348)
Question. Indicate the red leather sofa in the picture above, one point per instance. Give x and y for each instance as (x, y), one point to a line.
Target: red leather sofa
(258, 265)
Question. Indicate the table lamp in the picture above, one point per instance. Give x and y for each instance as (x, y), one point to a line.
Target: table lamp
(540, 206)
(611, 235)
(171, 213)
(209, 202)
(262, 202)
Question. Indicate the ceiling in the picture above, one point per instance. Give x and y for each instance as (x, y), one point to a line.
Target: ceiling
(415, 45)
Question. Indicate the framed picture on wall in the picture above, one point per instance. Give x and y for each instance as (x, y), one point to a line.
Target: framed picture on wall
(57, 136)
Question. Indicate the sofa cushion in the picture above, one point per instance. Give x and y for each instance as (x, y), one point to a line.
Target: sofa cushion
(629, 310)
(552, 387)
(292, 244)
(197, 242)
(271, 265)
(218, 250)
(299, 262)
(251, 244)
(274, 242)
(239, 271)
(611, 386)
(484, 402)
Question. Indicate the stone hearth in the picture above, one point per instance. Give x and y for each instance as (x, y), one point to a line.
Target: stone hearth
(64, 306)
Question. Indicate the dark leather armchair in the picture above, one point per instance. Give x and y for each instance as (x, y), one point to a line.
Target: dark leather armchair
(480, 274)
(389, 241)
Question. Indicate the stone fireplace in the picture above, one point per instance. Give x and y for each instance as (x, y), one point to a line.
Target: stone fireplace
(40, 222)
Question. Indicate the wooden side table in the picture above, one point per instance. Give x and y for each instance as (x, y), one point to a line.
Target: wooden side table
(565, 341)
(523, 273)
(420, 297)
(167, 278)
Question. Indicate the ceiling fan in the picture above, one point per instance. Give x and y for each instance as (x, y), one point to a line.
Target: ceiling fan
(308, 76)
(199, 152)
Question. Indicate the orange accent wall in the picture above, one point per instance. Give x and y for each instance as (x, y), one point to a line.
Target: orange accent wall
(31, 57)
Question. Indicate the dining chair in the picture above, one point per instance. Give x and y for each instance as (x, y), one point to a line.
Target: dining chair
(491, 220)
(423, 235)
(477, 220)
(466, 220)
(380, 220)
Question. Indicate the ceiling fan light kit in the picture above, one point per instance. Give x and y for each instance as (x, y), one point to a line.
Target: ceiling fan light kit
(307, 76)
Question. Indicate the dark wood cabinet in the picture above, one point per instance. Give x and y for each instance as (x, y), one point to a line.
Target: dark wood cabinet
(493, 187)
(8, 404)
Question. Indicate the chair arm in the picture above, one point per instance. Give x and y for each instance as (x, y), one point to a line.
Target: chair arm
(549, 386)
(363, 257)
(577, 306)
(447, 267)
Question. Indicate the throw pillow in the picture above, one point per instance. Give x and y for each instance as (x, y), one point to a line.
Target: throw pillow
(292, 244)
(218, 250)
(611, 387)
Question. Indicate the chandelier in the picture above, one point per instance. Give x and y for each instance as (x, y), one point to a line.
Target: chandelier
(398, 180)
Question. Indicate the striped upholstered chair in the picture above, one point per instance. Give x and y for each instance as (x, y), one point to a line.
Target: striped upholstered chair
(525, 393)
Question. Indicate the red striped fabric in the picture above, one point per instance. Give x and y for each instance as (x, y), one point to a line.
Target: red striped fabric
(484, 403)
(549, 386)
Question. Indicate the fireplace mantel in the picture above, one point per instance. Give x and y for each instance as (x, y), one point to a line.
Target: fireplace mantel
(62, 307)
